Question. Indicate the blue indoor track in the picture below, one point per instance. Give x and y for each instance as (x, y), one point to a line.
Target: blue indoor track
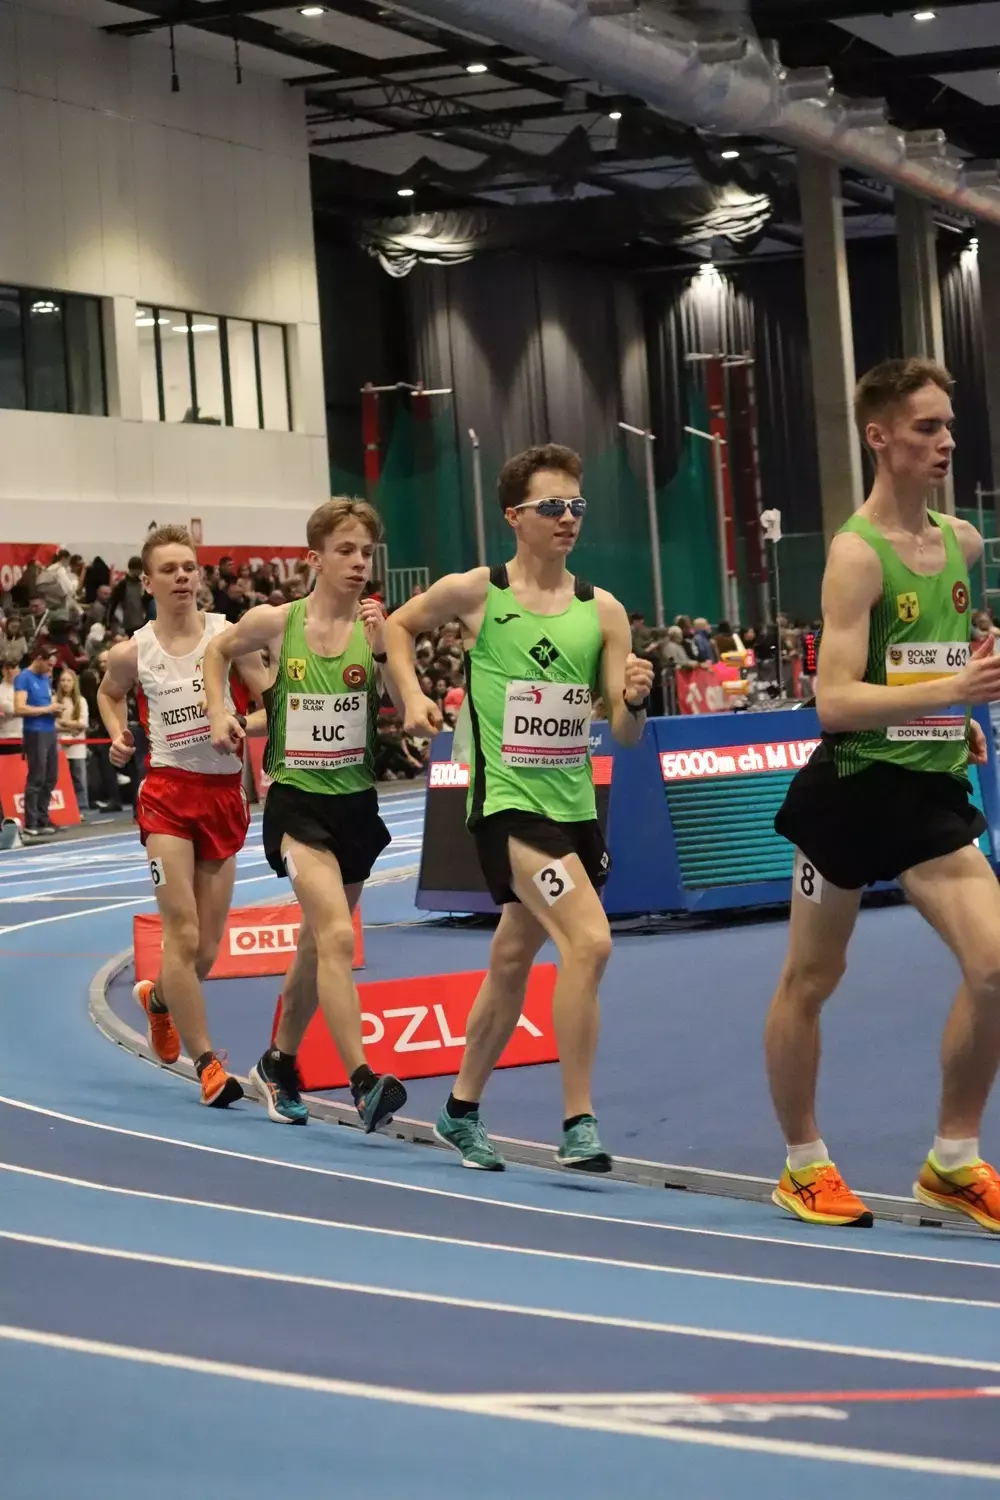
(199, 1304)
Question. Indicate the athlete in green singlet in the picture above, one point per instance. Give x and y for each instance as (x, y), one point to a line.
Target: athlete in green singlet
(540, 644)
(886, 796)
(321, 820)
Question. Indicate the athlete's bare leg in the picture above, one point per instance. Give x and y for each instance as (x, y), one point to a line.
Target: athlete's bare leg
(959, 896)
(326, 914)
(300, 993)
(498, 1005)
(181, 895)
(577, 924)
(817, 951)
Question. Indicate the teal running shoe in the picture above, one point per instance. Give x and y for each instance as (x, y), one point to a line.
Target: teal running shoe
(581, 1148)
(468, 1137)
(278, 1085)
(377, 1107)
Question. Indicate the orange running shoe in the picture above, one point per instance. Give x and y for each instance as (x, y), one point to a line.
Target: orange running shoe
(219, 1088)
(972, 1190)
(819, 1195)
(161, 1033)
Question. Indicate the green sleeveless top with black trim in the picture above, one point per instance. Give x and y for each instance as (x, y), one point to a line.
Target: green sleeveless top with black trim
(530, 682)
(322, 713)
(920, 630)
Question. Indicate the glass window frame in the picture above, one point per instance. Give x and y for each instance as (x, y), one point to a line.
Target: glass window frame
(227, 385)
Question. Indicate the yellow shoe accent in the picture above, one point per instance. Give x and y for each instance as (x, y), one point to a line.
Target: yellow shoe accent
(973, 1191)
(818, 1194)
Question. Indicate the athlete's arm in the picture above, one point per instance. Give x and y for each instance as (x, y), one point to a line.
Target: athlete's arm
(260, 629)
(460, 596)
(968, 539)
(625, 677)
(852, 585)
(373, 622)
(256, 724)
(116, 684)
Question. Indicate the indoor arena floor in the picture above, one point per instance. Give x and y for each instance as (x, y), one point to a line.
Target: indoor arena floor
(199, 1304)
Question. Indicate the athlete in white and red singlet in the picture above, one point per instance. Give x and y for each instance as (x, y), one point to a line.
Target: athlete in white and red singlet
(191, 808)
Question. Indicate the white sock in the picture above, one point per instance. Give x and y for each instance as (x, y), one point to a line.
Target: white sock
(808, 1154)
(954, 1154)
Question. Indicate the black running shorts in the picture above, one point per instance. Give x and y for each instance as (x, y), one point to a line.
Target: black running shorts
(492, 834)
(348, 825)
(877, 824)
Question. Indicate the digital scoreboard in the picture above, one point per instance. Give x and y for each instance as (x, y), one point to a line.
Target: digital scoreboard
(688, 814)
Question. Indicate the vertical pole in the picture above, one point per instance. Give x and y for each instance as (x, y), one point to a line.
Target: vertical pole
(715, 391)
(654, 529)
(370, 438)
(980, 518)
(477, 491)
(777, 615)
(721, 524)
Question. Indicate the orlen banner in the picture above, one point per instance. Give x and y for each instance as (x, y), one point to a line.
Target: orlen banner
(63, 810)
(15, 557)
(256, 940)
(415, 1028)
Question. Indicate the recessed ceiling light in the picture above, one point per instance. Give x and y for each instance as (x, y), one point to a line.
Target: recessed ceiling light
(312, 10)
(614, 114)
(476, 68)
(404, 192)
(730, 155)
(925, 15)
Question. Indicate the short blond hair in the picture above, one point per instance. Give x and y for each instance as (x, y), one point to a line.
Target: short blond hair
(332, 514)
(165, 536)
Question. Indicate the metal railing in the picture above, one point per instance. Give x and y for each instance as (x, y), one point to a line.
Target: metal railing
(401, 582)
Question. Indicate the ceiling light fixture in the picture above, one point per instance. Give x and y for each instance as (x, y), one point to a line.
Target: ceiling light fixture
(312, 10)
(614, 114)
(476, 68)
(404, 192)
(730, 155)
(925, 15)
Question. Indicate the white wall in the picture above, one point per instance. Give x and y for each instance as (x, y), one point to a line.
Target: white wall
(112, 185)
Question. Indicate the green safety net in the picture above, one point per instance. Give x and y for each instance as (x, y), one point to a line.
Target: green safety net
(425, 495)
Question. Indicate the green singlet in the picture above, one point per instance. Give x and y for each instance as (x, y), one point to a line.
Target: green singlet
(322, 713)
(530, 680)
(920, 629)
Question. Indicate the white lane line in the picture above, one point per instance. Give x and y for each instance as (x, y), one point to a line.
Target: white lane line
(510, 1309)
(70, 887)
(93, 911)
(498, 1203)
(504, 1249)
(494, 1407)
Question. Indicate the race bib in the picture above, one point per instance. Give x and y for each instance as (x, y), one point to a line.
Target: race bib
(326, 731)
(923, 662)
(184, 721)
(546, 725)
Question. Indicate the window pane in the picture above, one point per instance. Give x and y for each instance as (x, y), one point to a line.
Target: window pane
(11, 352)
(46, 353)
(207, 368)
(86, 366)
(178, 405)
(242, 373)
(273, 383)
(145, 327)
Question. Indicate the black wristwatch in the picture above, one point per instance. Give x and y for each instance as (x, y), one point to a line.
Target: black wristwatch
(635, 708)
(380, 657)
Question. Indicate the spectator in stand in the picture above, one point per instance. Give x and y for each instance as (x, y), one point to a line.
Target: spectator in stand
(106, 790)
(72, 722)
(234, 603)
(727, 640)
(130, 599)
(58, 586)
(14, 645)
(703, 635)
(453, 700)
(672, 651)
(34, 620)
(226, 576)
(33, 703)
(276, 598)
(696, 653)
(96, 612)
(11, 724)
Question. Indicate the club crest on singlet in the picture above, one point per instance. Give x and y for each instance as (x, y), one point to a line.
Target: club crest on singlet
(296, 668)
(908, 607)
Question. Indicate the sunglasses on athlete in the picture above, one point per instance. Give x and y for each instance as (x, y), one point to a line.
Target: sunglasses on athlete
(554, 507)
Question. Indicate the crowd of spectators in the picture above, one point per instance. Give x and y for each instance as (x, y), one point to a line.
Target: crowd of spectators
(60, 620)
